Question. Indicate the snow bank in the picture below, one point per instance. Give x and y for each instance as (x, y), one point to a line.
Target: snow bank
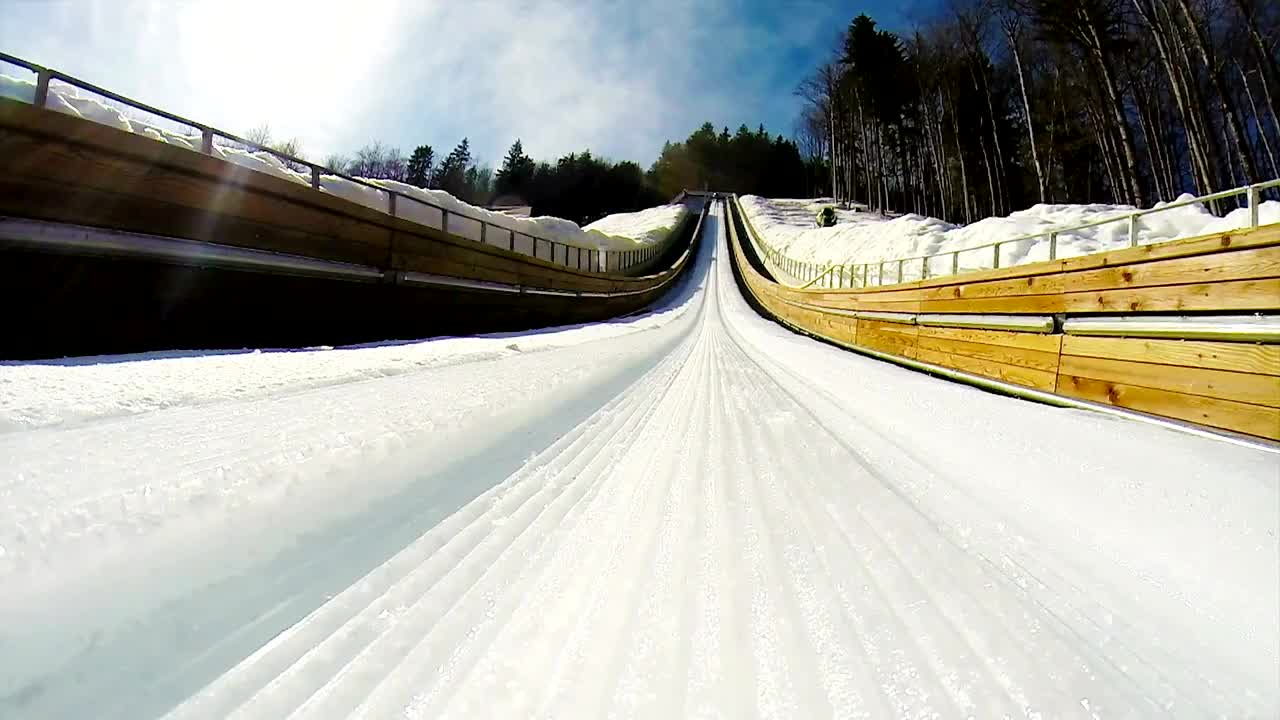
(859, 238)
(615, 233)
(16, 89)
(644, 227)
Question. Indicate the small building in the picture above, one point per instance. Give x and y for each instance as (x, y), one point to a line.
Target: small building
(512, 205)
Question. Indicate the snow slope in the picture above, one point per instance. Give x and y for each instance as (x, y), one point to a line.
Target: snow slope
(858, 238)
(709, 517)
(622, 232)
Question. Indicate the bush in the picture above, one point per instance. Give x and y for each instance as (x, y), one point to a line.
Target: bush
(827, 217)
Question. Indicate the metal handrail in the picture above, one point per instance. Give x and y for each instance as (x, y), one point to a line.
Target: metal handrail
(594, 261)
(799, 268)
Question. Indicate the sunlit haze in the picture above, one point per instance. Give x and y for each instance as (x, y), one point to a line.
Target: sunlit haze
(618, 78)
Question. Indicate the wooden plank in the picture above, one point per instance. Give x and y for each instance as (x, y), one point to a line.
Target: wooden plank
(1034, 285)
(82, 206)
(1023, 304)
(1218, 267)
(846, 297)
(1034, 359)
(842, 329)
(1202, 245)
(1224, 384)
(1235, 416)
(235, 190)
(1232, 295)
(1047, 267)
(1239, 357)
(887, 337)
(887, 345)
(1027, 377)
(1029, 341)
(888, 328)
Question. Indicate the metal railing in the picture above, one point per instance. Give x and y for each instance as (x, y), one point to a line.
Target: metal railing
(919, 267)
(541, 248)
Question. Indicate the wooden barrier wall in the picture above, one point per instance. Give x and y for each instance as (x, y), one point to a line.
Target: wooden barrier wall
(63, 169)
(60, 168)
(1227, 385)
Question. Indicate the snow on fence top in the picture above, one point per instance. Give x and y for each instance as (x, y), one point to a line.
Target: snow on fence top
(861, 239)
(613, 234)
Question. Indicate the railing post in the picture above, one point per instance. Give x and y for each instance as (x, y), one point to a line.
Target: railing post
(880, 274)
(901, 263)
(955, 262)
(206, 141)
(866, 273)
(444, 220)
(391, 204)
(315, 177)
(1053, 246)
(924, 268)
(1133, 230)
(42, 87)
(512, 241)
(1255, 199)
(484, 226)
(995, 256)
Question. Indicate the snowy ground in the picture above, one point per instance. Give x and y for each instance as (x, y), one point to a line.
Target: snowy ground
(72, 391)
(708, 516)
(857, 238)
(621, 232)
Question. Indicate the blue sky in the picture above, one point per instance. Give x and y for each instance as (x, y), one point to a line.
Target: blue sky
(616, 76)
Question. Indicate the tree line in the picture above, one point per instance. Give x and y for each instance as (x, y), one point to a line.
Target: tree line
(581, 186)
(997, 104)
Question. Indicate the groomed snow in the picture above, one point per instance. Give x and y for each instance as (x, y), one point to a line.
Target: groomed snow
(857, 238)
(711, 517)
(615, 233)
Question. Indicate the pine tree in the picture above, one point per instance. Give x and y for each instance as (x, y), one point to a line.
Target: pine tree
(420, 162)
(451, 175)
(516, 172)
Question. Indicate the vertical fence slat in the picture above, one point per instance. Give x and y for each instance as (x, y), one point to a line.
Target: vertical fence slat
(42, 87)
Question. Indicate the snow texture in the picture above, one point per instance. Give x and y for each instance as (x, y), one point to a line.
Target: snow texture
(709, 516)
(72, 391)
(857, 238)
(615, 233)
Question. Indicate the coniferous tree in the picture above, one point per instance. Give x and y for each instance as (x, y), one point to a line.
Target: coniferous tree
(516, 173)
(420, 166)
(451, 175)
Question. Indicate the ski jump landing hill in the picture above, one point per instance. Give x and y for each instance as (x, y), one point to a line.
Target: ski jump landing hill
(118, 241)
(1185, 330)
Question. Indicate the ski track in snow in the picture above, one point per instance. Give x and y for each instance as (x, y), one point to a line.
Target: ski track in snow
(745, 524)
